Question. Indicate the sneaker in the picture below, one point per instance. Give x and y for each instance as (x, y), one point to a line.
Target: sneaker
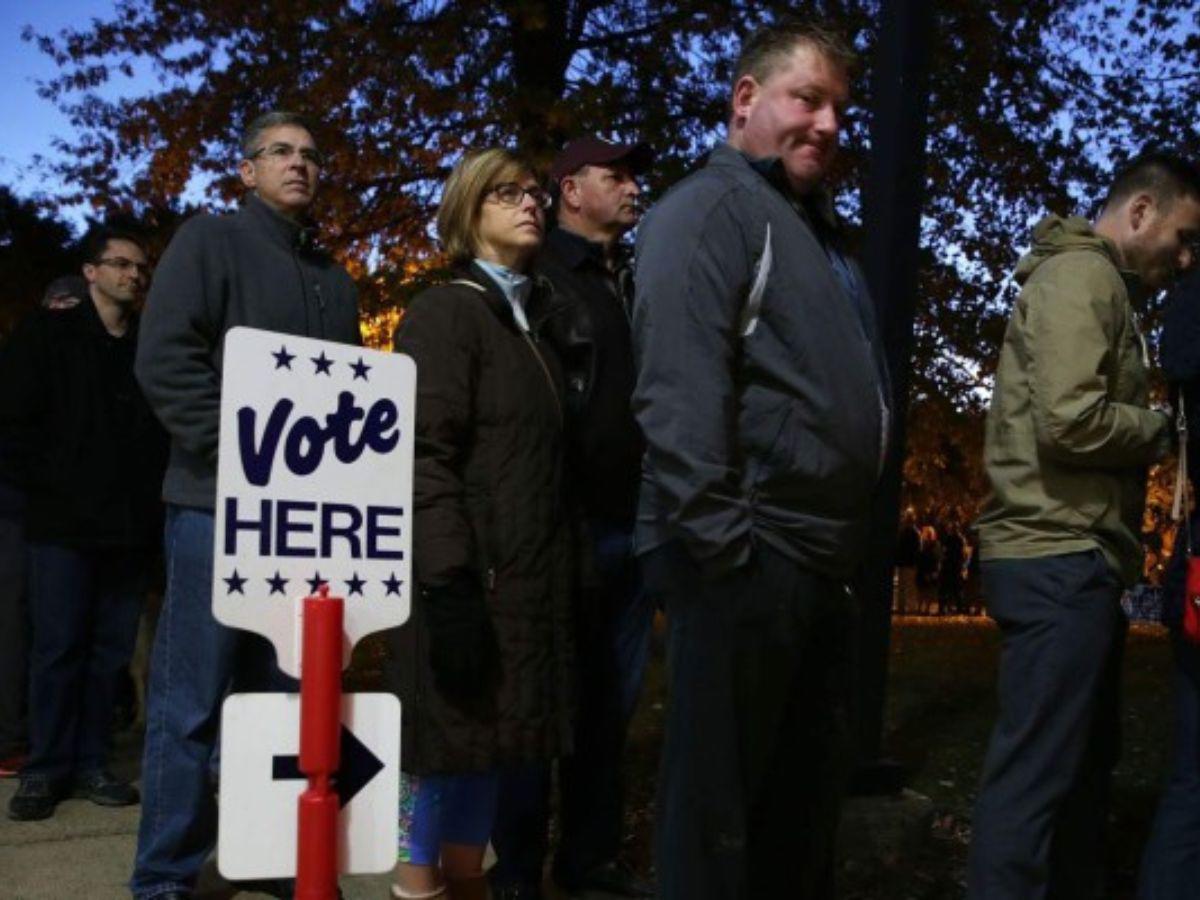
(104, 790)
(35, 798)
(11, 765)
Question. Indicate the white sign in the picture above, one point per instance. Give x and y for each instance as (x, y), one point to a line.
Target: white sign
(314, 485)
(261, 782)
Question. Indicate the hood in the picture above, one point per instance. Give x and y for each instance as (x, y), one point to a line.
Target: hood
(1054, 235)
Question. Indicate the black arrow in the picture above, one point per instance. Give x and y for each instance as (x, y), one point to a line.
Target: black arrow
(358, 767)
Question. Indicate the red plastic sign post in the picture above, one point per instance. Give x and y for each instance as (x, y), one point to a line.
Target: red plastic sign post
(320, 743)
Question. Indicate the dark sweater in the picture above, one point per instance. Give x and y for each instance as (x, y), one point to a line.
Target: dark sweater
(253, 268)
(78, 435)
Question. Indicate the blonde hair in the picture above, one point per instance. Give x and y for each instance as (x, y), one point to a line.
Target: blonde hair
(462, 197)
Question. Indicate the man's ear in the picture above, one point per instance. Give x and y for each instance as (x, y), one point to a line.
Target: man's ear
(246, 170)
(1141, 206)
(745, 92)
(89, 273)
(568, 189)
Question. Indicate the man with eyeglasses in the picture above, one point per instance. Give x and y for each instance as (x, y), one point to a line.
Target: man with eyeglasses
(595, 185)
(79, 438)
(257, 267)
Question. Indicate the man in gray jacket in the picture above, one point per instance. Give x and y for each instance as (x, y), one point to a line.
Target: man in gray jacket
(260, 268)
(763, 397)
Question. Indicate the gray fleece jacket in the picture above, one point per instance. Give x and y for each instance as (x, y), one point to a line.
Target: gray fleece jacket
(254, 268)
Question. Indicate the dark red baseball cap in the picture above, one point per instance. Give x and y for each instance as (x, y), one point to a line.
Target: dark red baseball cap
(591, 151)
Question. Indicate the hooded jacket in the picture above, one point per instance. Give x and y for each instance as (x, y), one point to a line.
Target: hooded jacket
(1069, 434)
(489, 504)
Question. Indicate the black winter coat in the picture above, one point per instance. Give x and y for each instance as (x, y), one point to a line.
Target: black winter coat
(489, 504)
(77, 435)
(592, 336)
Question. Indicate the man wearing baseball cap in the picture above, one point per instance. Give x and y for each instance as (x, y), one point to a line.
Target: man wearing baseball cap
(595, 184)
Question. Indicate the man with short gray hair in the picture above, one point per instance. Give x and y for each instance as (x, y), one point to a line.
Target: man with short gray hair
(260, 268)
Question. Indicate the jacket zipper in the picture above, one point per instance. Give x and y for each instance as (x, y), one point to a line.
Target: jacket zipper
(545, 371)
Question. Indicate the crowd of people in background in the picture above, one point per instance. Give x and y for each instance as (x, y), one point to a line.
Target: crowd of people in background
(700, 426)
(937, 568)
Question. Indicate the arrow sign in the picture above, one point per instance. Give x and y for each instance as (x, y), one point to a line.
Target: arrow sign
(358, 766)
(261, 781)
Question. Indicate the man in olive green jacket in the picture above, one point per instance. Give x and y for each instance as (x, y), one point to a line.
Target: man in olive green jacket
(1069, 437)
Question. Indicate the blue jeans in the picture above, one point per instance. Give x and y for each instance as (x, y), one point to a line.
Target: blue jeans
(84, 607)
(612, 646)
(194, 664)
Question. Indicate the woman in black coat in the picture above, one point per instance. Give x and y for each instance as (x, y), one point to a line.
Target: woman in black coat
(483, 666)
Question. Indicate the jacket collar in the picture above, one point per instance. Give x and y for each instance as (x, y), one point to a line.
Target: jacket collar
(284, 231)
(541, 302)
(815, 206)
(85, 315)
(574, 249)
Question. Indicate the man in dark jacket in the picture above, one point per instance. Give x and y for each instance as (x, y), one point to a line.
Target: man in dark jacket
(259, 268)
(585, 261)
(763, 399)
(83, 444)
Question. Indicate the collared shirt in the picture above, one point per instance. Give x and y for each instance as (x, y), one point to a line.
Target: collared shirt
(515, 287)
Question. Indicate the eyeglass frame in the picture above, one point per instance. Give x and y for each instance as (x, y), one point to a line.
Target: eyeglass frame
(121, 264)
(282, 152)
(534, 193)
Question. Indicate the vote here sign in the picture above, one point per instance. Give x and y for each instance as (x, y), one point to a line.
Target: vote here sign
(314, 486)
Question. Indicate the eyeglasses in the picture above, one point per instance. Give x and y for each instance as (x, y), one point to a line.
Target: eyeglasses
(509, 193)
(121, 264)
(282, 153)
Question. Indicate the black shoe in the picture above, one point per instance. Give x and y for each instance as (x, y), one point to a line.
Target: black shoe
(174, 895)
(35, 798)
(613, 878)
(105, 790)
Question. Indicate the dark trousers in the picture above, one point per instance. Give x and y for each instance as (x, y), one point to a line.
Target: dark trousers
(14, 638)
(1171, 862)
(1043, 801)
(757, 747)
(612, 647)
(84, 606)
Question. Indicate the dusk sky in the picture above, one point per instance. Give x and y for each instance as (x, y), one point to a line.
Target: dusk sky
(28, 123)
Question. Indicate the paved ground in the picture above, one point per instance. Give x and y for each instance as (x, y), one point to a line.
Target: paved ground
(87, 851)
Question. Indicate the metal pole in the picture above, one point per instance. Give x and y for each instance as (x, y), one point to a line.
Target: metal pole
(891, 228)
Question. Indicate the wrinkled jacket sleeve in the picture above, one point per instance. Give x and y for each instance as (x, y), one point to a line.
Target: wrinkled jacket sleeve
(180, 330)
(693, 270)
(1073, 323)
(433, 335)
